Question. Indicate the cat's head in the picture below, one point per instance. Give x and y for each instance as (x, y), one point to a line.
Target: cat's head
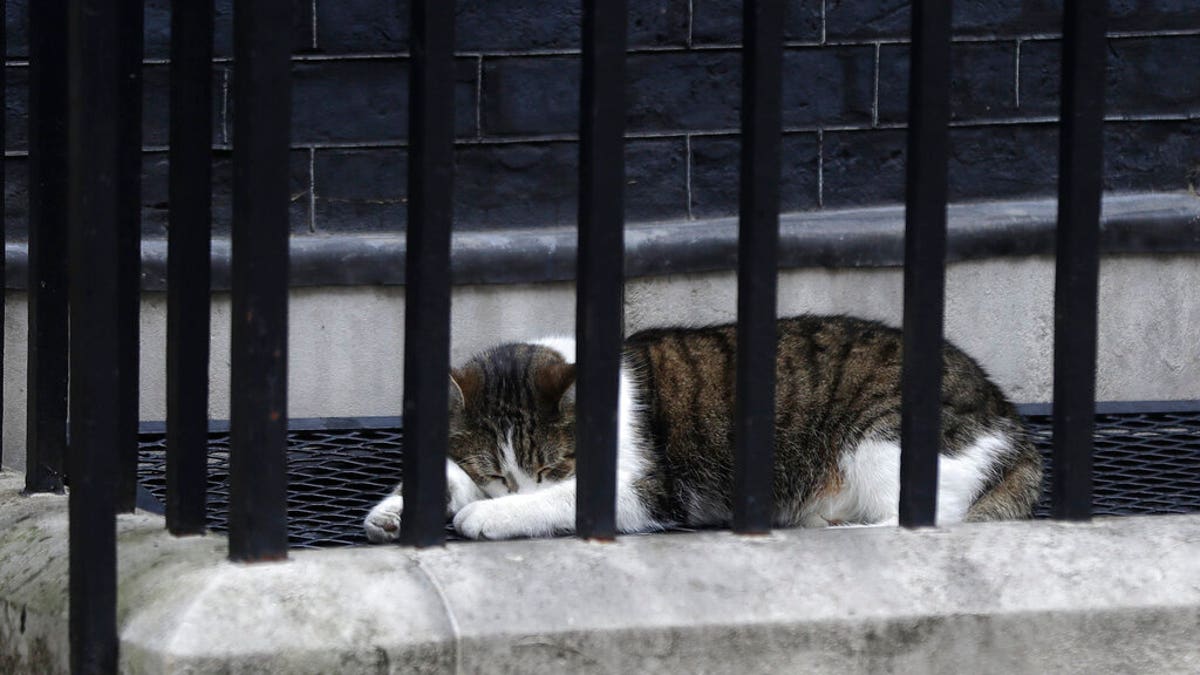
(512, 419)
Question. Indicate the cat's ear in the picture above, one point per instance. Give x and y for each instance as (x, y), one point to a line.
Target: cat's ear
(556, 385)
(567, 402)
(464, 387)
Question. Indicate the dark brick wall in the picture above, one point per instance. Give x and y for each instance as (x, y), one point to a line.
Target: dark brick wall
(517, 88)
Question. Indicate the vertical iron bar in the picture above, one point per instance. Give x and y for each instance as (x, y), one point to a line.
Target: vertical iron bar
(188, 269)
(427, 273)
(46, 410)
(599, 289)
(94, 215)
(258, 403)
(129, 264)
(758, 239)
(3, 206)
(1077, 268)
(924, 262)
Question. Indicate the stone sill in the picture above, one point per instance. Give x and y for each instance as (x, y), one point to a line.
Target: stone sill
(859, 237)
(1116, 594)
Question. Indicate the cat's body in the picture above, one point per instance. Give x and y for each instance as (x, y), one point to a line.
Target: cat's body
(837, 435)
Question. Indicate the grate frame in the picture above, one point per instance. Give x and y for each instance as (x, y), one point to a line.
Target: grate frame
(1147, 461)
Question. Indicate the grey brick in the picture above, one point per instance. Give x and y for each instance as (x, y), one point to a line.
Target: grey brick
(497, 25)
(528, 95)
(993, 162)
(495, 186)
(665, 92)
(716, 166)
(362, 26)
(863, 167)
(365, 100)
(492, 25)
(155, 207)
(517, 185)
(1041, 63)
(16, 108)
(678, 91)
(157, 33)
(830, 85)
(1144, 76)
(982, 86)
(16, 198)
(158, 27)
(156, 104)
(690, 90)
(16, 24)
(1152, 155)
(720, 21)
(867, 19)
(1152, 15)
(534, 184)
(870, 19)
(361, 190)
(986, 162)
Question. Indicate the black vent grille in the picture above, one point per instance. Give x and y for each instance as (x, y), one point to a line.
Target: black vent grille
(1146, 463)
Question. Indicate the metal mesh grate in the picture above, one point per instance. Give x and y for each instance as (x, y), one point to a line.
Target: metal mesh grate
(1146, 463)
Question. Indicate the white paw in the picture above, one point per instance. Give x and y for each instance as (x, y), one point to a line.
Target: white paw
(502, 518)
(461, 490)
(383, 522)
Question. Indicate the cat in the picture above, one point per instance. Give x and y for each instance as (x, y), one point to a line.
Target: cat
(510, 470)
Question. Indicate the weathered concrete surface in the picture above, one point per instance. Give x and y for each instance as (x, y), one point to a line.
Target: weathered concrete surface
(1116, 595)
(345, 345)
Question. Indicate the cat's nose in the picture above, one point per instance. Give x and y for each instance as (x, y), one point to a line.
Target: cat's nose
(511, 482)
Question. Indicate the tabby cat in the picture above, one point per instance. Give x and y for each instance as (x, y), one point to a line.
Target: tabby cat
(512, 454)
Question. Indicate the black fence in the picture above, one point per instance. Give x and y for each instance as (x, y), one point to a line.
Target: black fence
(85, 94)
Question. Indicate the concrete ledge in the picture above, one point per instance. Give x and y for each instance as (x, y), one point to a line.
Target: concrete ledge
(1112, 595)
(860, 237)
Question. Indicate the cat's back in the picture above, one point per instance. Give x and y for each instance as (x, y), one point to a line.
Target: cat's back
(836, 376)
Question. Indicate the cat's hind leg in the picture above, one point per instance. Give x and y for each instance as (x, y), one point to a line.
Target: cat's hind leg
(870, 486)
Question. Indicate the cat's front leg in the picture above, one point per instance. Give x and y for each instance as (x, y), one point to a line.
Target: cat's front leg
(546, 513)
(382, 524)
(539, 514)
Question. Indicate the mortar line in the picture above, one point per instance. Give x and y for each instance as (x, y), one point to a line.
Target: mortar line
(823, 33)
(691, 19)
(822, 40)
(875, 94)
(312, 190)
(225, 106)
(479, 98)
(314, 24)
(688, 173)
(820, 169)
(455, 631)
(1017, 76)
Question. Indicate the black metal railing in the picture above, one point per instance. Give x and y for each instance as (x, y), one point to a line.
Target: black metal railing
(84, 124)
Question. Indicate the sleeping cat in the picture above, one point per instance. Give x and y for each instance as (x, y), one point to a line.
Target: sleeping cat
(837, 455)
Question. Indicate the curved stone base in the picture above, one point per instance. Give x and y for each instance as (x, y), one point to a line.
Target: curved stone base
(1114, 595)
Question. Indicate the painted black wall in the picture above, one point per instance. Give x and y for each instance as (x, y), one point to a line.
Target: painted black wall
(845, 97)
